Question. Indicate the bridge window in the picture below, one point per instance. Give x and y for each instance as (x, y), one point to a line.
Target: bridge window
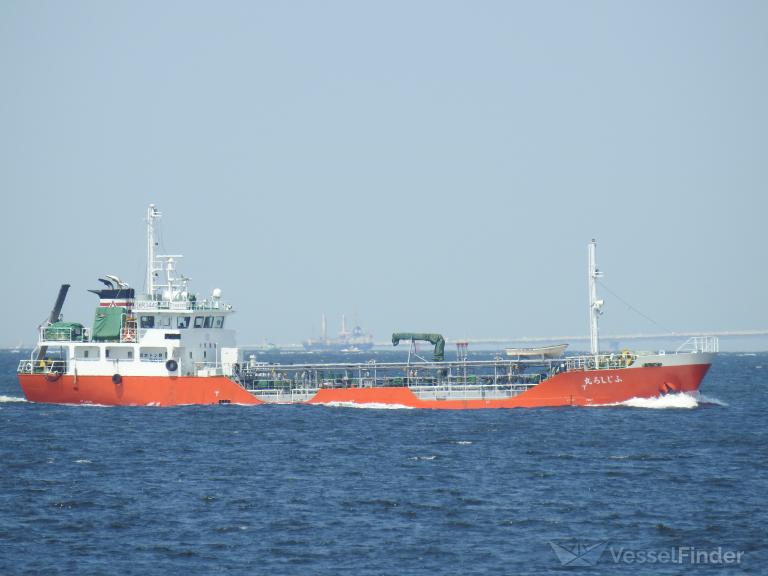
(182, 322)
(208, 321)
(86, 352)
(147, 321)
(119, 353)
(218, 322)
(199, 321)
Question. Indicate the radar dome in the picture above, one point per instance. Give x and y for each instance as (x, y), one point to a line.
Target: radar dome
(217, 293)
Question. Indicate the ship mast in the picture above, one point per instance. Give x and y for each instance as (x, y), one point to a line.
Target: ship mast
(595, 305)
(152, 215)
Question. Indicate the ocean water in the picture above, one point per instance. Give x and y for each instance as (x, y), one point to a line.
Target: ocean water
(340, 490)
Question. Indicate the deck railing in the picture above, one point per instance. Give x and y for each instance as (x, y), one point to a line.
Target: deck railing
(495, 373)
(188, 305)
(57, 334)
(49, 366)
(613, 361)
(700, 344)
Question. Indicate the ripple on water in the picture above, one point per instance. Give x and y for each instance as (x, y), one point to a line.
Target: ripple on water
(327, 491)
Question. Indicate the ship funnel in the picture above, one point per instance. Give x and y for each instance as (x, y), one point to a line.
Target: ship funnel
(119, 295)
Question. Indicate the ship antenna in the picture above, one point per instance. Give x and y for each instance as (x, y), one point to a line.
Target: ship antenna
(595, 304)
(152, 215)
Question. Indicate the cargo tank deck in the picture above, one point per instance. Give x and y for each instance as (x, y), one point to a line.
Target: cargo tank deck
(470, 379)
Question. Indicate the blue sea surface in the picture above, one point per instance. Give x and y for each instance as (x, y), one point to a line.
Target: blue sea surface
(327, 491)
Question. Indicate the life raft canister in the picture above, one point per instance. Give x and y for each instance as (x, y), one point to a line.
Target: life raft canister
(627, 357)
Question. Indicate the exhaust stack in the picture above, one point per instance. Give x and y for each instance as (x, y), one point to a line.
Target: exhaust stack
(56, 312)
(54, 317)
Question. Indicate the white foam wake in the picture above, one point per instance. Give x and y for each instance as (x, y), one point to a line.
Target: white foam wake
(87, 405)
(11, 399)
(681, 400)
(368, 405)
(709, 400)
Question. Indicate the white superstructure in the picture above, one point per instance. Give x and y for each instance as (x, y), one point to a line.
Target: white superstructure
(168, 331)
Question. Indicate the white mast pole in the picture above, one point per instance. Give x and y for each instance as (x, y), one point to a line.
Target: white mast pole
(595, 305)
(152, 215)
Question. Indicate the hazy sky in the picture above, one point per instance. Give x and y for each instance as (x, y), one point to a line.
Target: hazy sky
(431, 166)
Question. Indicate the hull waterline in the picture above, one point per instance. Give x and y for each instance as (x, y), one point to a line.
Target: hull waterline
(134, 390)
(593, 388)
(578, 388)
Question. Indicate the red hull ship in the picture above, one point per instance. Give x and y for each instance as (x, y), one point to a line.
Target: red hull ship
(576, 388)
(171, 348)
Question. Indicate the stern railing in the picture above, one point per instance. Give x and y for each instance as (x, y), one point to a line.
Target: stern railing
(46, 366)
